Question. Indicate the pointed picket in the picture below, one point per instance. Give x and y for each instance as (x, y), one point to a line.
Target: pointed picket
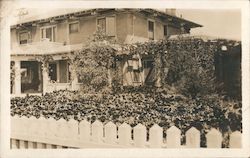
(97, 131)
(235, 140)
(84, 128)
(33, 126)
(72, 129)
(193, 138)
(214, 139)
(42, 127)
(124, 134)
(62, 128)
(173, 137)
(51, 127)
(140, 135)
(110, 133)
(155, 136)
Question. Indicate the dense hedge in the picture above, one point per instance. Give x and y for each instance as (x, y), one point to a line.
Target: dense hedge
(158, 106)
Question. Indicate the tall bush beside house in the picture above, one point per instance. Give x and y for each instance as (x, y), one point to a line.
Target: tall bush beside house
(93, 63)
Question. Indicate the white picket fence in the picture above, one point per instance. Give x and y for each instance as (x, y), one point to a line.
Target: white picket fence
(50, 133)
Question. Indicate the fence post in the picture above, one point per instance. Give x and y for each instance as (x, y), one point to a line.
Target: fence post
(33, 126)
(61, 127)
(42, 130)
(52, 129)
(235, 140)
(97, 131)
(72, 129)
(84, 127)
(24, 125)
(110, 133)
(155, 136)
(214, 139)
(124, 134)
(140, 135)
(173, 137)
(193, 138)
(15, 124)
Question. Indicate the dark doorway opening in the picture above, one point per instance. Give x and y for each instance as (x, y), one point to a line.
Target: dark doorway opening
(31, 77)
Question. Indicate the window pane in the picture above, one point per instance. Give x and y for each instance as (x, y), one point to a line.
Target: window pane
(53, 72)
(136, 76)
(150, 26)
(54, 34)
(102, 24)
(73, 28)
(49, 33)
(23, 37)
(110, 22)
(151, 30)
(43, 33)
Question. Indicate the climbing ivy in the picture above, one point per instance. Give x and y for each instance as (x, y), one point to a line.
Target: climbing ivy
(93, 62)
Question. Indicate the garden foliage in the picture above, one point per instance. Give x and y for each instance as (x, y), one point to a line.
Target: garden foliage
(163, 107)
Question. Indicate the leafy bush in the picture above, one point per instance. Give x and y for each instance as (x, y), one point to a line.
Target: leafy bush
(162, 107)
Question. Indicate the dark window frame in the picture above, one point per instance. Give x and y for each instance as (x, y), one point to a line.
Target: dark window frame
(151, 29)
(77, 27)
(25, 41)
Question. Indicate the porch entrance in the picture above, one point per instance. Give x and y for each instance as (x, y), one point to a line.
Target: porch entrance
(31, 77)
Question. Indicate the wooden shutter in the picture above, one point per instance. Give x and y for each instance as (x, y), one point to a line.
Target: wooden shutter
(110, 26)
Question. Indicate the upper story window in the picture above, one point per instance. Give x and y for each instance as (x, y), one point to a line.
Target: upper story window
(74, 27)
(49, 33)
(101, 23)
(151, 30)
(24, 37)
(165, 31)
(107, 24)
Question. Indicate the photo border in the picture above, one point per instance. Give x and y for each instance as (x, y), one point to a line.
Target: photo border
(147, 153)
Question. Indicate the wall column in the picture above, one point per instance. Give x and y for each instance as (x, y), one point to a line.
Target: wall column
(17, 82)
(74, 81)
(45, 78)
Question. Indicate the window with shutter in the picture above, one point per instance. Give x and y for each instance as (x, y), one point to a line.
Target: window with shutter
(110, 26)
(107, 25)
(101, 23)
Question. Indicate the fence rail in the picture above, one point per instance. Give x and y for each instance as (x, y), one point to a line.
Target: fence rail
(50, 133)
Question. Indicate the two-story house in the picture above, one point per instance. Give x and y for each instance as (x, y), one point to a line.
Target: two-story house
(62, 34)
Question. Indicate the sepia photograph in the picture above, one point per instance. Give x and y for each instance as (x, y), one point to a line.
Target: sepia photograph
(125, 78)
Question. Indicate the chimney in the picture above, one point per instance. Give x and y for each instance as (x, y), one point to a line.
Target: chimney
(171, 11)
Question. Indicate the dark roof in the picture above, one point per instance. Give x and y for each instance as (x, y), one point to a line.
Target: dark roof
(90, 12)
